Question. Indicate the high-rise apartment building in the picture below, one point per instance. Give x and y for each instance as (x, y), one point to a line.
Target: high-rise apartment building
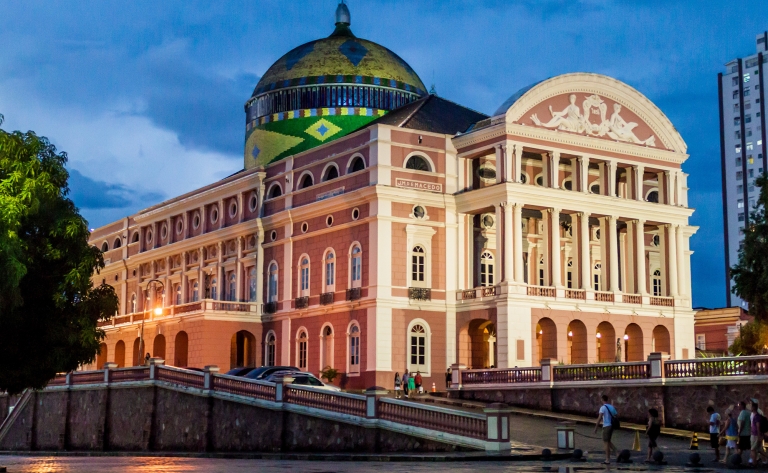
(742, 152)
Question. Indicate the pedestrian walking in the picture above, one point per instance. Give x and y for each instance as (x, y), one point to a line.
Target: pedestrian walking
(605, 415)
(398, 384)
(714, 431)
(418, 382)
(744, 428)
(411, 386)
(652, 431)
(448, 378)
(757, 450)
(730, 432)
(406, 377)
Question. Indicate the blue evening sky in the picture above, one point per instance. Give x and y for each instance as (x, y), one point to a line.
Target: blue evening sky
(147, 97)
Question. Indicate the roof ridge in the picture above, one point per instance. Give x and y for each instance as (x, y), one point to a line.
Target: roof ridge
(462, 106)
(410, 115)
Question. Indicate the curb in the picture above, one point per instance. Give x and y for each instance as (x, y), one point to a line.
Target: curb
(336, 457)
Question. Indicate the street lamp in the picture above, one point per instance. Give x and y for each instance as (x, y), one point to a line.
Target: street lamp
(158, 311)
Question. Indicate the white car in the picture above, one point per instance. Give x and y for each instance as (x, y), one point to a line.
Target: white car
(301, 378)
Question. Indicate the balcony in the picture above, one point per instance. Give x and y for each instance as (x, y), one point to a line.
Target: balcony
(301, 302)
(204, 306)
(476, 293)
(541, 291)
(578, 294)
(602, 296)
(663, 301)
(354, 294)
(326, 298)
(420, 293)
(270, 307)
(632, 299)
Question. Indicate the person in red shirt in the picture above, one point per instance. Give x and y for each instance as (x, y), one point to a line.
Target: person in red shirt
(418, 381)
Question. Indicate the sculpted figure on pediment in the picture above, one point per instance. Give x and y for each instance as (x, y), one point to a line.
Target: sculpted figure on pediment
(569, 119)
(622, 131)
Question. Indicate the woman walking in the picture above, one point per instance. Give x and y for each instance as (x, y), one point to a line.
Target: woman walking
(652, 431)
(411, 386)
(406, 377)
(730, 432)
(397, 385)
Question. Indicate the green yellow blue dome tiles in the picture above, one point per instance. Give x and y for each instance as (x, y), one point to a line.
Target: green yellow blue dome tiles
(296, 131)
(329, 58)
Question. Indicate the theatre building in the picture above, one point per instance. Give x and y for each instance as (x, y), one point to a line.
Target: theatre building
(377, 227)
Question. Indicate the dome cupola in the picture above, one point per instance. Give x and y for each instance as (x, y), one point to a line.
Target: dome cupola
(322, 90)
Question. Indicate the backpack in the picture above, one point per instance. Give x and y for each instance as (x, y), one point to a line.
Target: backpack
(762, 424)
(615, 422)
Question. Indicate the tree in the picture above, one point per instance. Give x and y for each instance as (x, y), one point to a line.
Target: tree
(750, 274)
(49, 307)
(752, 339)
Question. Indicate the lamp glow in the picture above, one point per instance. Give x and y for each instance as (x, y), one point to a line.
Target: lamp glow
(598, 335)
(570, 334)
(541, 332)
(158, 311)
(626, 337)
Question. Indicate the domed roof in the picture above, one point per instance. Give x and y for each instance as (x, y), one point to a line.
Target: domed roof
(341, 57)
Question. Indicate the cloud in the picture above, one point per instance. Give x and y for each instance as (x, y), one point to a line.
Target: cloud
(92, 194)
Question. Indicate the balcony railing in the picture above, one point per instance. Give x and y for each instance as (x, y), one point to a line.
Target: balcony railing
(354, 294)
(663, 301)
(541, 291)
(615, 371)
(476, 293)
(326, 298)
(420, 293)
(301, 302)
(601, 296)
(730, 366)
(270, 307)
(632, 299)
(576, 294)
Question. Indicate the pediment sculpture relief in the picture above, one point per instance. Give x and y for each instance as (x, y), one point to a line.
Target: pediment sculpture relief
(580, 120)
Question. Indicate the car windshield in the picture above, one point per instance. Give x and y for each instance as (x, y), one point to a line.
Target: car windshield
(312, 381)
(239, 371)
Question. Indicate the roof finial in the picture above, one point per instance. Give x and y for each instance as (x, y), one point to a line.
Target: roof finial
(342, 14)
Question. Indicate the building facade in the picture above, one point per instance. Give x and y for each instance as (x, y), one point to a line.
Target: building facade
(430, 235)
(742, 152)
(717, 329)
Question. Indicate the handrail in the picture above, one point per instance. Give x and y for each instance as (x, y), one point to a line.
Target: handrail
(501, 376)
(726, 366)
(11, 418)
(453, 422)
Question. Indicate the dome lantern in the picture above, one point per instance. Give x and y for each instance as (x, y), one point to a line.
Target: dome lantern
(342, 14)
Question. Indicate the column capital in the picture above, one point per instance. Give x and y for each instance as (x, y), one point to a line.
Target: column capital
(506, 204)
(554, 209)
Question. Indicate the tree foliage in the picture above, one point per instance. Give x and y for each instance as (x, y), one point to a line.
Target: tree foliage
(49, 307)
(750, 274)
(752, 339)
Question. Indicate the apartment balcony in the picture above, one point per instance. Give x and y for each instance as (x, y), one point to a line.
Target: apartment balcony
(203, 306)
(354, 294)
(326, 298)
(301, 302)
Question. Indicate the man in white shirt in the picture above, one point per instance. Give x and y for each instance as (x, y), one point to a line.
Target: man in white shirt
(606, 415)
(714, 430)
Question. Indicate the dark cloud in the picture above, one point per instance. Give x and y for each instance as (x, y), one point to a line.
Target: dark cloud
(91, 194)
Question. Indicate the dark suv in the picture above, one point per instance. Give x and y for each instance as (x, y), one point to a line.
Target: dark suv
(264, 371)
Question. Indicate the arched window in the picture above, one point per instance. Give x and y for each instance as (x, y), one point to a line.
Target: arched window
(486, 269)
(104, 247)
(178, 294)
(653, 196)
(418, 348)
(331, 172)
(356, 266)
(232, 287)
(118, 243)
(539, 180)
(418, 163)
(133, 303)
(306, 181)
(357, 165)
(195, 292)
(302, 350)
(274, 191)
(354, 349)
(214, 285)
(326, 347)
(330, 272)
(304, 276)
(656, 283)
(418, 264)
(252, 285)
(269, 350)
(594, 189)
(272, 283)
(135, 238)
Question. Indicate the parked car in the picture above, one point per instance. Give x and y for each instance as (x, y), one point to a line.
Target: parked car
(302, 379)
(241, 371)
(263, 372)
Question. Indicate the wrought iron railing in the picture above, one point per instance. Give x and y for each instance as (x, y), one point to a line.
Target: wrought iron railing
(354, 294)
(326, 298)
(301, 302)
(270, 307)
(420, 293)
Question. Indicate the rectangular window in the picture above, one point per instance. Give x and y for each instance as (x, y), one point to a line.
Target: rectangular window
(520, 352)
(747, 119)
(736, 108)
(749, 133)
(746, 92)
(740, 203)
(596, 280)
(739, 189)
(735, 81)
(737, 134)
(751, 189)
(738, 161)
(751, 172)
(735, 94)
(760, 170)
(746, 77)
(569, 276)
(741, 217)
(750, 159)
(354, 353)
(303, 355)
(749, 146)
(737, 121)
(701, 341)
(757, 114)
(356, 268)
(738, 175)
(329, 274)
(747, 105)
(304, 279)
(541, 277)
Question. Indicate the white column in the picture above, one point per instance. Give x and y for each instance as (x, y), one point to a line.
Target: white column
(509, 269)
(518, 164)
(557, 280)
(614, 254)
(611, 178)
(518, 235)
(680, 249)
(500, 164)
(543, 250)
(554, 169)
(546, 170)
(584, 259)
(639, 172)
(669, 181)
(583, 174)
(672, 259)
(662, 188)
(640, 257)
(239, 269)
(500, 249)
(260, 268)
